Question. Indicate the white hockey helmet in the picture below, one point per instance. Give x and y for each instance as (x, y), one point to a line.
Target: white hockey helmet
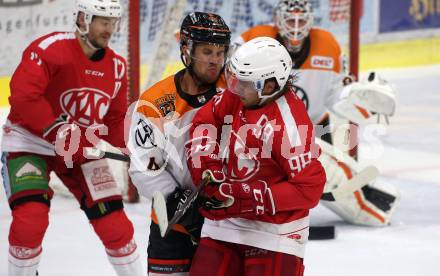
(256, 61)
(294, 19)
(90, 8)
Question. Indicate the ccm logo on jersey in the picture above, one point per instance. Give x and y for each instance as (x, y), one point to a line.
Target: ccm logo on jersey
(94, 73)
(322, 62)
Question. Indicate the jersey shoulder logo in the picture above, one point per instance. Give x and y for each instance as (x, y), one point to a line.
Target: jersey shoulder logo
(86, 106)
(322, 62)
(144, 135)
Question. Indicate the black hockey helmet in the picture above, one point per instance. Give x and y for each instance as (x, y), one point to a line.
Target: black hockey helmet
(204, 27)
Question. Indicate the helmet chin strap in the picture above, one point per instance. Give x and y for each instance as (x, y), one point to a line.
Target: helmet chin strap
(85, 38)
(273, 95)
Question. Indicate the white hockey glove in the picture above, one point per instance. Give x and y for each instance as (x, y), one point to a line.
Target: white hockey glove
(372, 95)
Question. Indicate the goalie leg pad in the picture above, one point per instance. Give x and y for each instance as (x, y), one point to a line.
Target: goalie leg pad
(29, 223)
(373, 205)
(358, 209)
(113, 237)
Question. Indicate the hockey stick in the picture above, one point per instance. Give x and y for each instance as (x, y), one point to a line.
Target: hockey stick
(94, 153)
(160, 208)
(358, 181)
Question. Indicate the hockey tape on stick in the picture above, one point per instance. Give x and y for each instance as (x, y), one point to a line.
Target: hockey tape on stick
(94, 153)
(358, 181)
(160, 209)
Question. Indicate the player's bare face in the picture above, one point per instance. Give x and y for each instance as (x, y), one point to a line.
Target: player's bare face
(101, 30)
(208, 60)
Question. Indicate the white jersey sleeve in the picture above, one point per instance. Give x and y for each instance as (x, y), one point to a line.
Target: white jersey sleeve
(148, 158)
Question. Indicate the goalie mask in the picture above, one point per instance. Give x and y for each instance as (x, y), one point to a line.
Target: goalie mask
(203, 28)
(254, 64)
(294, 19)
(110, 9)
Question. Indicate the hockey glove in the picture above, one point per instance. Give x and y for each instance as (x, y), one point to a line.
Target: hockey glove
(211, 178)
(67, 138)
(191, 221)
(239, 200)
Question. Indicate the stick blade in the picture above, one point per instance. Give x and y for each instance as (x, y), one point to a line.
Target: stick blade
(160, 209)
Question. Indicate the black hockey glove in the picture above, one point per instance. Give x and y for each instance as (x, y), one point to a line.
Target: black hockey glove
(192, 220)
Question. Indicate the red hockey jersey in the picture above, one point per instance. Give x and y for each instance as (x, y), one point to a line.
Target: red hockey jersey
(274, 143)
(55, 77)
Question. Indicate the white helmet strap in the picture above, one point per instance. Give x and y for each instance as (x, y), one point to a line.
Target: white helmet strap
(84, 34)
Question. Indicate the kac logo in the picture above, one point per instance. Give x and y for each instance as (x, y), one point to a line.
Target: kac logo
(244, 159)
(86, 106)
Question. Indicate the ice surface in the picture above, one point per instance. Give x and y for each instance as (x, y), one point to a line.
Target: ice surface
(408, 157)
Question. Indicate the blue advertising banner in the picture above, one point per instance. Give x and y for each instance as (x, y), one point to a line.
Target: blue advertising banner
(406, 15)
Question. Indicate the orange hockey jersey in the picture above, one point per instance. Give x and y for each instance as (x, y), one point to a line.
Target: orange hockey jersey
(158, 133)
(319, 78)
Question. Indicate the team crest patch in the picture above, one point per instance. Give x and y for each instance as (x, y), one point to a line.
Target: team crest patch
(28, 173)
(166, 104)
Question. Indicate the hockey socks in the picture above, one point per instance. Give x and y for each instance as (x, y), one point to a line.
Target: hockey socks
(23, 261)
(126, 260)
(29, 224)
(116, 233)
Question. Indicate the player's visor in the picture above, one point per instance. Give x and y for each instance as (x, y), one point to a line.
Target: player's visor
(239, 87)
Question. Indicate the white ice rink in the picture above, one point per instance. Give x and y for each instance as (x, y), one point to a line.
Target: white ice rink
(408, 156)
